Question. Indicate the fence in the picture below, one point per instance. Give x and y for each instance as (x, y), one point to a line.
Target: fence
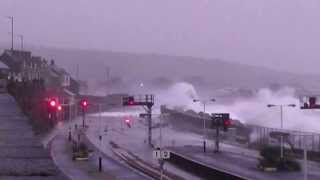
(261, 136)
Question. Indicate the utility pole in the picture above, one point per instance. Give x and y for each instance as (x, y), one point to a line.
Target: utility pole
(12, 32)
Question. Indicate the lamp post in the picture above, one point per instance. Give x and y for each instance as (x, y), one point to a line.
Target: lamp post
(204, 102)
(281, 118)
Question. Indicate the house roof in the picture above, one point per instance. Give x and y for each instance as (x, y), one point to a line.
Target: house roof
(3, 66)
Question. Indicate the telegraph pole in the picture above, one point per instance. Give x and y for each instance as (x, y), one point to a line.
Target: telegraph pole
(12, 32)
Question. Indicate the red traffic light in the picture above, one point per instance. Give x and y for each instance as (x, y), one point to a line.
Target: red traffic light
(84, 103)
(59, 108)
(127, 120)
(52, 103)
(128, 101)
(227, 122)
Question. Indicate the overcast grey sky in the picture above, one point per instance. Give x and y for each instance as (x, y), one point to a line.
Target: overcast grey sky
(280, 34)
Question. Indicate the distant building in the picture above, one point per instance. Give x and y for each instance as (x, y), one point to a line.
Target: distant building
(4, 72)
(25, 67)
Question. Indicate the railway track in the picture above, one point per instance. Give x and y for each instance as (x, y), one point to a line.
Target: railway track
(142, 166)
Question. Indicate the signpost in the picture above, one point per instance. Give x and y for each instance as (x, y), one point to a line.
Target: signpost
(161, 155)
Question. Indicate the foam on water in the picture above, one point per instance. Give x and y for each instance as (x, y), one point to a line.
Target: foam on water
(251, 110)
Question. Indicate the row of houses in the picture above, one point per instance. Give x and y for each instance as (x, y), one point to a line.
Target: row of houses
(22, 66)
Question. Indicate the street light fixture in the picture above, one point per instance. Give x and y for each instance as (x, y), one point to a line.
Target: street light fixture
(281, 116)
(204, 102)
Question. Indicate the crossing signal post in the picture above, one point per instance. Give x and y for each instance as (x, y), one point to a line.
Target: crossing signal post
(52, 108)
(84, 105)
(146, 101)
(220, 120)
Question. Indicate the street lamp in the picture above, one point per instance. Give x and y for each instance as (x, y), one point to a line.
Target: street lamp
(204, 102)
(281, 116)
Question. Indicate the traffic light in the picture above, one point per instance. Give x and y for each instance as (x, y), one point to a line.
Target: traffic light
(128, 101)
(52, 108)
(128, 122)
(84, 103)
(226, 124)
(59, 108)
(52, 103)
(221, 120)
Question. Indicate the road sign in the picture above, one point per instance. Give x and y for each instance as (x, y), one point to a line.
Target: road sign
(221, 115)
(158, 154)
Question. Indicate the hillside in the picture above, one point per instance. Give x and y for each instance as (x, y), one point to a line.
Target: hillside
(134, 68)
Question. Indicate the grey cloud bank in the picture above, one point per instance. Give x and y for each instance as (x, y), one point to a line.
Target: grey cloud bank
(282, 35)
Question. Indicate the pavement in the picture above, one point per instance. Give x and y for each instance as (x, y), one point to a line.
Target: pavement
(86, 170)
(61, 151)
(22, 156)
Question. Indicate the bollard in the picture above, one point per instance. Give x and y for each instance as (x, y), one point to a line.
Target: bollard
(100, 164)
(69, 136)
